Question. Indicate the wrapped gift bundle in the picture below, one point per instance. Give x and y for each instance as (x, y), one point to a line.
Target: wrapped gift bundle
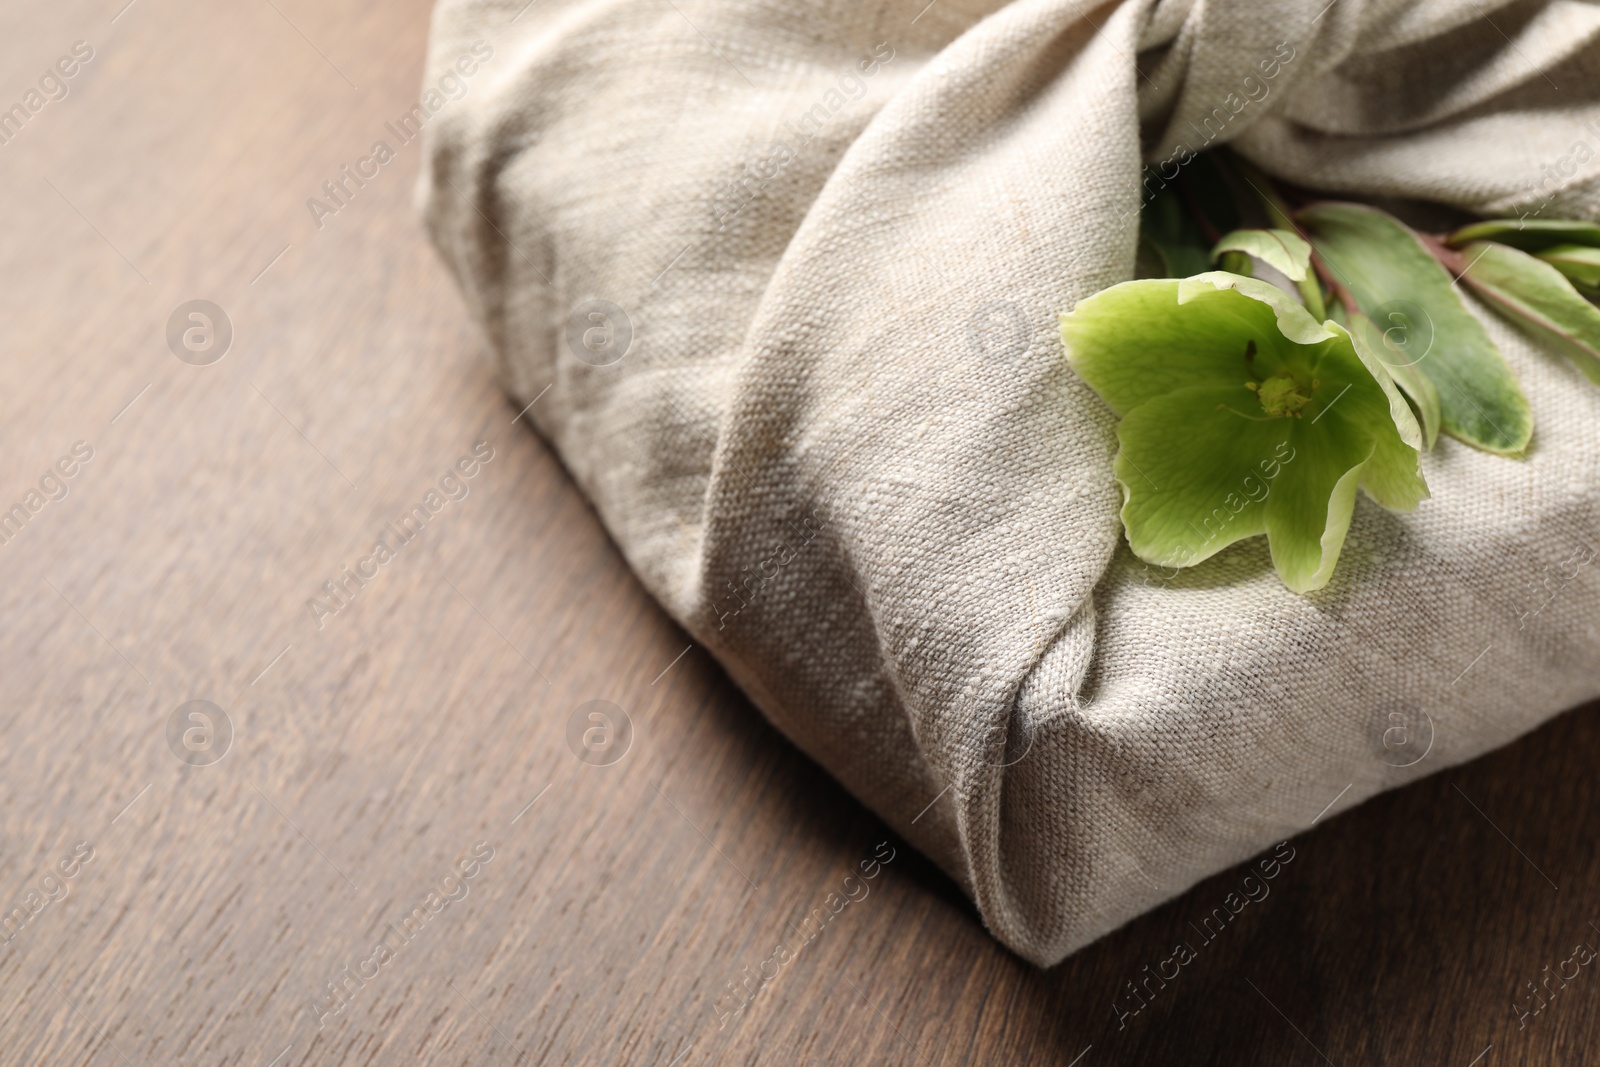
(786, 280)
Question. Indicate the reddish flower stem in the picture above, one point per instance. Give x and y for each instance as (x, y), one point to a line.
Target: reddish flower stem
(1336, 289)
(1450, 259)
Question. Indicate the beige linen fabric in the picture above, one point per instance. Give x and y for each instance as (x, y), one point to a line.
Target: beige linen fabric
(844, 451)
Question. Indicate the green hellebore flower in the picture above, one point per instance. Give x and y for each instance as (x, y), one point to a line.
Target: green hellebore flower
(1241, 415)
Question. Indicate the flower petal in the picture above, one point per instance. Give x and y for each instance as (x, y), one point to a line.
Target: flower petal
(1286, 252)
(1135, 342)
(1393, 476)
(1293, 320)
(1194, 476)
(1395, 340)
(1309, 510)
(1367, 373)
(1363, 402)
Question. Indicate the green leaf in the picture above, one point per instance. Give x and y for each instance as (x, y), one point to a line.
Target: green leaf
(1390, 272)
(1580, 264)
(1284, 251)
(1538, 298)
(1529, 235)
(1241, 415)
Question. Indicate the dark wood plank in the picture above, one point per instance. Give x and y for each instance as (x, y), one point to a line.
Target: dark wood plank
(370, 754)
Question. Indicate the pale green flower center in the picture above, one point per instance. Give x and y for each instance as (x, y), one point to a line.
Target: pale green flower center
(1281, 396)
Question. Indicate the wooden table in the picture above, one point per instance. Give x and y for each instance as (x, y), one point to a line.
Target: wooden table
(191, 888)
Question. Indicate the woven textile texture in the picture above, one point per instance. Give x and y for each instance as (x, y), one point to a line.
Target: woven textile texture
(784, 277)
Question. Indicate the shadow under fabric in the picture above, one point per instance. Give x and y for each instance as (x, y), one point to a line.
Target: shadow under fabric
(790, 273)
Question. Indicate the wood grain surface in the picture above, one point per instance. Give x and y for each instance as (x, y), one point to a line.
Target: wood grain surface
(405, 770)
